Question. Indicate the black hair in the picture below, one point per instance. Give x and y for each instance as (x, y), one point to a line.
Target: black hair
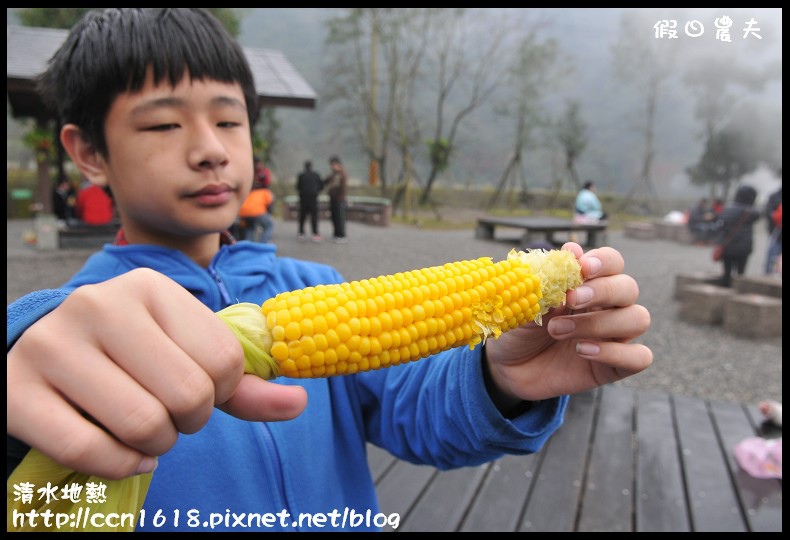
(746, 195)
(334, 159)
(588, 184)
(109, 52)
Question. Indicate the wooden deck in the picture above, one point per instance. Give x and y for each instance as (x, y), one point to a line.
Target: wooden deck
(541, 228)
(624, 460)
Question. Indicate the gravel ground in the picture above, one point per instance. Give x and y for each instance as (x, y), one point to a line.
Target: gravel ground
(696, 360)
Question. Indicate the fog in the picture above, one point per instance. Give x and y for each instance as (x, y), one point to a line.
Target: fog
(749, 68)
(612, 109)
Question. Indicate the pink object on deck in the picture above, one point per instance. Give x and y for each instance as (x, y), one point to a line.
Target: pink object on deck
(761, 458)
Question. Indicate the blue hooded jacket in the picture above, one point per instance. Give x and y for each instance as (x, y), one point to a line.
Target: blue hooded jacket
(434, 412)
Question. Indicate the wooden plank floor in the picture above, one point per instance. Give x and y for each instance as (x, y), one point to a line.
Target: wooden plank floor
(624, 460)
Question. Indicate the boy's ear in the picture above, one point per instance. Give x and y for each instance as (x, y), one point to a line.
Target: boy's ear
(85, 156)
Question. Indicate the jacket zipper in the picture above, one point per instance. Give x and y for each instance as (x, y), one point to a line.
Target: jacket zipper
(271, 454)
(223, 291)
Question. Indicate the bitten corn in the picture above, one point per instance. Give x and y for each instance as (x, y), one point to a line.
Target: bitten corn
(385, 321)
(348, 328)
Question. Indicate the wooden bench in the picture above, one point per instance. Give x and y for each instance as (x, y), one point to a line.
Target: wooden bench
(624, 460)
(368, 210)
(87, 236)
(537, 228)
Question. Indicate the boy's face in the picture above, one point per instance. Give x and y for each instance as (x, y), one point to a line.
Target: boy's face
(179, 159)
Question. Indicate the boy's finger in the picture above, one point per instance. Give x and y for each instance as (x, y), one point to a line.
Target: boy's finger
(69, 438)
(258, 400)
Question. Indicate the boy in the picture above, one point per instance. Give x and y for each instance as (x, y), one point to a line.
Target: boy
(127, 365)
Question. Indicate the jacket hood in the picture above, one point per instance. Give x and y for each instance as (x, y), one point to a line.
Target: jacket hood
(238, 272)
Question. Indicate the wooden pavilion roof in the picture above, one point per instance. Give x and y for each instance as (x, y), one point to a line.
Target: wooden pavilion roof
(29, 49)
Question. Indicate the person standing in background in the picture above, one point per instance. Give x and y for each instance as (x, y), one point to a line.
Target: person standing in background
(263, 175)
(337, 184)
(308, 185)
(64, 201)
(94, 205)
(735, 230)
(774, 231)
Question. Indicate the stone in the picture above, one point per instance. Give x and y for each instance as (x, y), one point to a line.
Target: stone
(765, 285)
(704, 304)
(753, 316)
(693, 278)
(640, 230)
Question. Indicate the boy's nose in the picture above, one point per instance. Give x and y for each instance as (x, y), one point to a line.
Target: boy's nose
(207, 149)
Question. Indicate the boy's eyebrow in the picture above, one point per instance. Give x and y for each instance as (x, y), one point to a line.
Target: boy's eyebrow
(178, 102)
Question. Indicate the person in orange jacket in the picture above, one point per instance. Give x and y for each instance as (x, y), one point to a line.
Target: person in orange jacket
(254, 214)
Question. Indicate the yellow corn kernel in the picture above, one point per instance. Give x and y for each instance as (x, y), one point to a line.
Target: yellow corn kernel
(389, 320)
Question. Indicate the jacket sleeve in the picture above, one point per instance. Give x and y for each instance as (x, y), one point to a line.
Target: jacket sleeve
(436, 411)
(25, 311)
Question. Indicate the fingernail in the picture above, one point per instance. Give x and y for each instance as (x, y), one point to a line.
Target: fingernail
(594, 266)
(562, 326)
(147, 465)
(585, 348)
(583, 295)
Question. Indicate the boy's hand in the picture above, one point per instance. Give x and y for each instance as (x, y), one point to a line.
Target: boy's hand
(109, 378)
(582, 345)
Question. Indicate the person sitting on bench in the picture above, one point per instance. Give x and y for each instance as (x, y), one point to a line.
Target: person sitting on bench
(588, 206)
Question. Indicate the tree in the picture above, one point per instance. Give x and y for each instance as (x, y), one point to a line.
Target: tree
(51, 17)
(720, 87)
(266, 139)
(68, 17)
(535, 69)
(471, 71)
(414, 45)
(374, 59)
(570, 132)
(750, 137)
(645, 64)
(402, 52)
(41, 140)
(729, 156)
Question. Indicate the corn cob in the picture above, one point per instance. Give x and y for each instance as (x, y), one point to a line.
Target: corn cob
(374, 323)
(348, 328)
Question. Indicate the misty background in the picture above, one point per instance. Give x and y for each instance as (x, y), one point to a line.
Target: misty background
(611, 108)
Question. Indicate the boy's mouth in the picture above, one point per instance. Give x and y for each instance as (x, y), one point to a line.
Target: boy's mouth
(213, 195)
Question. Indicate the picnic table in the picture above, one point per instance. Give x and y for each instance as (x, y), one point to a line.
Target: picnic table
(537, 228)
(624, 460)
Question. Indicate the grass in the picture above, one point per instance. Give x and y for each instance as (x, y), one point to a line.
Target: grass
(459, 218)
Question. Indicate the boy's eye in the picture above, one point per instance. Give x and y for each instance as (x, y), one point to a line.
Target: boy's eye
(229, 124)
(161, 127)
